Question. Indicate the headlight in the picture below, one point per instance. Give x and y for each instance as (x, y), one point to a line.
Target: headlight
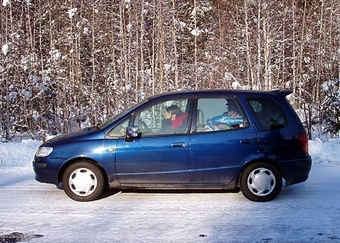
(44, 151)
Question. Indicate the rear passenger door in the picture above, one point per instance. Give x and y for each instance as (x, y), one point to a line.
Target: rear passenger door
(222, 140)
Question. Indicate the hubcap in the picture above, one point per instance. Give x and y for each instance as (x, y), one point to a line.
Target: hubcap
(83, 182)
(261, 182)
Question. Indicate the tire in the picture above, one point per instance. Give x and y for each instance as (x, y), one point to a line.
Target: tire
(260, 182)
(83, 181)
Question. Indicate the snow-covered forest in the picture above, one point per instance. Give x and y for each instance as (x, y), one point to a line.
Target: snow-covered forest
(72, 63)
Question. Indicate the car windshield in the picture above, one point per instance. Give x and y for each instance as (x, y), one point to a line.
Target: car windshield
(121, 114)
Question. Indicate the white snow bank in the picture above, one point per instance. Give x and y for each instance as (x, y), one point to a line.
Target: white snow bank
(325, 152)
(18, 154)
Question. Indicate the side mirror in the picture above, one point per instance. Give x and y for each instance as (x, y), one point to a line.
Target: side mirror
(132, 132)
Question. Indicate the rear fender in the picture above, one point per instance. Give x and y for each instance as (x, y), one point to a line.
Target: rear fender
(259, 159)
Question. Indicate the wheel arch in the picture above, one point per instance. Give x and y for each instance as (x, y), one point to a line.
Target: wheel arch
(245, 165)
(72, 161)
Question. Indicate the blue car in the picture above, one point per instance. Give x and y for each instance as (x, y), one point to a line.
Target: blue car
(204, 140)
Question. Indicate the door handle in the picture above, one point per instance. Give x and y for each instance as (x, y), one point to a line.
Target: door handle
(246, 141)
(179, 145)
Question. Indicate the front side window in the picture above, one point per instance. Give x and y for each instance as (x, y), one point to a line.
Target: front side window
(216, 114)
(268, 113)
(166, 117)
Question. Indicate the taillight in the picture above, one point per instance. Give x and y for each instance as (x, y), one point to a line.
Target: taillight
(303, 139)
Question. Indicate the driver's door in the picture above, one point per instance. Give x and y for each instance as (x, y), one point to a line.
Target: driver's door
(154, 158)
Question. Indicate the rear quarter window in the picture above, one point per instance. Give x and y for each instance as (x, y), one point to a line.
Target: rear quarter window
(268, 113)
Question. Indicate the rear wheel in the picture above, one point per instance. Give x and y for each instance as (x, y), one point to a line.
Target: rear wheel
(260, 182)
(83, 181)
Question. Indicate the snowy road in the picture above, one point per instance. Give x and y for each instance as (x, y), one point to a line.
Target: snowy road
(307, 212)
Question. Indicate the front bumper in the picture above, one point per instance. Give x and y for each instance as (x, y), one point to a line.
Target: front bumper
(45, 174)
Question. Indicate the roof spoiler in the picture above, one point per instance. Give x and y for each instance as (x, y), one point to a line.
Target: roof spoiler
(282, 93)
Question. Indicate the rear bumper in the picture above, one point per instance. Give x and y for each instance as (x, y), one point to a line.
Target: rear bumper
(296, 171)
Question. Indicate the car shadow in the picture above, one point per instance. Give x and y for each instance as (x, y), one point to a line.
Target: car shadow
(111, 192)
(108, 193)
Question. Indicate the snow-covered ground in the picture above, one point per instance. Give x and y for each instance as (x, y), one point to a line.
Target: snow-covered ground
(36, 212)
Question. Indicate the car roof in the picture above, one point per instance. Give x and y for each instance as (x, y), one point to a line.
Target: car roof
(281, 93)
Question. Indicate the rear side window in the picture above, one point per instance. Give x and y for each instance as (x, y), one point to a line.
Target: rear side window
(216, 114)
(268, 113)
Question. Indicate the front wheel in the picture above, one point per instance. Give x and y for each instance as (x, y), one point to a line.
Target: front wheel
(260, 182)
(83, 181)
